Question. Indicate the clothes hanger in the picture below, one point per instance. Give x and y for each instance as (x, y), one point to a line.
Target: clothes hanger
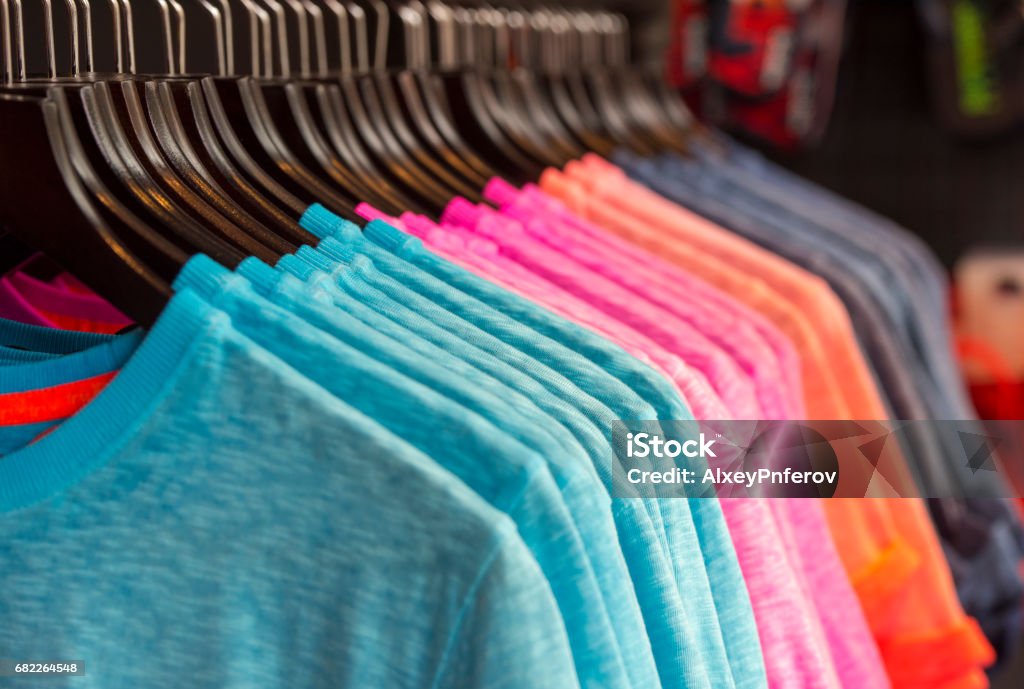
(340, 128)
(120, 168)
(646, 109)
(497, 94)
(243, 148)
(129, 146)
(281, 233)
(536, 77)
(244, 121)
(189, 234)
(411, 127)
(461, 97)
(599, 88)
(284, 117)
(382, 106)
(47, 207)
(337, 130)
(420, 97)
(128, 132)
(562, 79)
(378, 152)
(649, 116)
(51, 211)
(263, 104)
(518, 83)
(186, 134)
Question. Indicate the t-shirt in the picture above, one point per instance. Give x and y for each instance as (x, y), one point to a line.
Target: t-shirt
(506, 406)
(56, 304)
(733, 385)
(211, 514)
(541, 335)
(516, 480)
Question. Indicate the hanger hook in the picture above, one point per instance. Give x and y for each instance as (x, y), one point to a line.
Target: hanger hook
(519, 39)
(217, 18)
(447, 36)
(485, 43)
(229, 36)
(341, 17)
(115, 13)
(561, 32)
(590, 43)
(319, 36)
(129, 33)
(419, 36)
(300, 20)
(362, 49)
(73, 35)
(380, 42)
(18, 38)
(411, 26)
(472, 51)
(51, 62)
(87, 26)
(570, 39)
(261, 31)
(179, 13)
(8, 56)
(498, 26)
(281, 24)
(540, 23)
(165, 20)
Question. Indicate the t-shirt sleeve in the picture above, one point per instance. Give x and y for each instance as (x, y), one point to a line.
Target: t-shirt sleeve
(510, 634)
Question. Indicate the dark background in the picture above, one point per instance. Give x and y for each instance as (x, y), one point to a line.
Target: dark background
(886, 149)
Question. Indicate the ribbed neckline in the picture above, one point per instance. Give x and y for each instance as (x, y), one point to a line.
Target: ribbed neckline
(461, 212)
(338, 251)
(263, 277)
(87, 439)
(315, 258)
(386, 236)
(322, 222)
(101, 358)
(39, 338)
(499, 191)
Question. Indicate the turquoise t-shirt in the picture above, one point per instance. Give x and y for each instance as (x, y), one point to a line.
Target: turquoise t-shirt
(547, 338)
(513, 479)
(599, 658)
(213, 518)
(683, 624)
(583, 493)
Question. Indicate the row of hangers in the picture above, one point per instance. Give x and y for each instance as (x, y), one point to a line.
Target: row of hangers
(120, 177)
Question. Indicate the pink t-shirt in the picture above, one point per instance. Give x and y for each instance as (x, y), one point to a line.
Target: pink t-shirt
(731, 383)
(63, 303)
(764, 353)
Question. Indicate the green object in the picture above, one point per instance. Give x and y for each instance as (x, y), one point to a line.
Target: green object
(976, 79)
